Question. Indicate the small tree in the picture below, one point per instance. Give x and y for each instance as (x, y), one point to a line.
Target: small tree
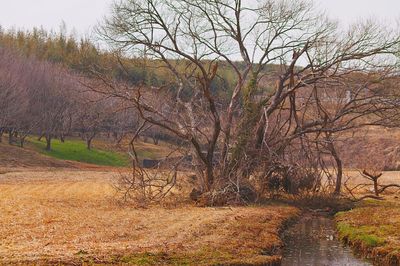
(91, 115)
(372, 168)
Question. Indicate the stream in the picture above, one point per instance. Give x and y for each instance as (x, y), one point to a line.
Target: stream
(313, 241)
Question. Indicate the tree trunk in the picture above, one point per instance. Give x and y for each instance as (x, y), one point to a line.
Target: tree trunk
(62, 137)
(1, 135)
(10, 137)
(89, 143)
(155, 140)
(48, 142)
(89, 139)
(40, 137)
(339, 164)
(376, 189)
(209, 177)
(374, 178)
(22, 141)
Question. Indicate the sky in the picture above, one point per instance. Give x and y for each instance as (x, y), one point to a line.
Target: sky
(82, 15)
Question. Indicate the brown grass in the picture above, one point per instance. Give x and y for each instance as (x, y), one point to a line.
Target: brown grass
(69, 216)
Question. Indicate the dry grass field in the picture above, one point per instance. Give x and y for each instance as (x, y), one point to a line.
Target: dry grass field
(69, 216)
(64, 212)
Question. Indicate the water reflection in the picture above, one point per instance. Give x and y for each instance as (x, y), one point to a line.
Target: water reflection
(313, 241)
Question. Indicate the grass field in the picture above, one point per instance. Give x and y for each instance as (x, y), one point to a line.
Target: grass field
(71, 216)
(75, 150)
(56, 211)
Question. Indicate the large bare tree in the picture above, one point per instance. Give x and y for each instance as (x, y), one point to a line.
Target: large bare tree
(293, 62)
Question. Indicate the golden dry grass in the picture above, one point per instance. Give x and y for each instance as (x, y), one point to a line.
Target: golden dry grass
(69, 216)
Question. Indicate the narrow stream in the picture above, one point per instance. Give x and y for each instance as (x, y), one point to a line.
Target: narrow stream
(313, 241)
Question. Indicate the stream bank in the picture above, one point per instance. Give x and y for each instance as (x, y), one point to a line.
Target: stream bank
(372, 229)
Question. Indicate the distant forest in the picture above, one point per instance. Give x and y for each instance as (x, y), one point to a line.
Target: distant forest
(83, 56)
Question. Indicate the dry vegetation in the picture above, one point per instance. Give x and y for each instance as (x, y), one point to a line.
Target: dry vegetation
(70, 215)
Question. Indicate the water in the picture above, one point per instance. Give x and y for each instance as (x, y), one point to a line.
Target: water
(313, 241)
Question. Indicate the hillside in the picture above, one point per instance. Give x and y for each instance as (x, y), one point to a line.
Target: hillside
(376, 146)
(12, 157)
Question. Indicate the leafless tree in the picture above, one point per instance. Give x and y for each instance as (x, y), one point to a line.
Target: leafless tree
(371, 168)
(91, 115)
(49, 99)
(14, 101)
(314, 62)
(8, 93)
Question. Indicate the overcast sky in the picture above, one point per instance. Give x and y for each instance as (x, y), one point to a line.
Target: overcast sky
(83, 14)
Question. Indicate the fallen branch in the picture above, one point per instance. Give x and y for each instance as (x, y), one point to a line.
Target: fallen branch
(367, 197)
(384, 187)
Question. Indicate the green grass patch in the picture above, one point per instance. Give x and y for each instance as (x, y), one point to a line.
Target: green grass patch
(75, 150)
(373, 230)
(360, 234)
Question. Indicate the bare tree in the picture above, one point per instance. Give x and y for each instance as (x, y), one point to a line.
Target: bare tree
(371, 168)
(314, 61)
(90, 116)
(8, 92)
(14, 100)
(50, 101)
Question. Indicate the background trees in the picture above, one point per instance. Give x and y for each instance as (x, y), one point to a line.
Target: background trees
(50, 95)
(47, 99)
(14, 100)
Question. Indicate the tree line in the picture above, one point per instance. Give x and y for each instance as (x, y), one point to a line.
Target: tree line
(84, 56)
(39, 97)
